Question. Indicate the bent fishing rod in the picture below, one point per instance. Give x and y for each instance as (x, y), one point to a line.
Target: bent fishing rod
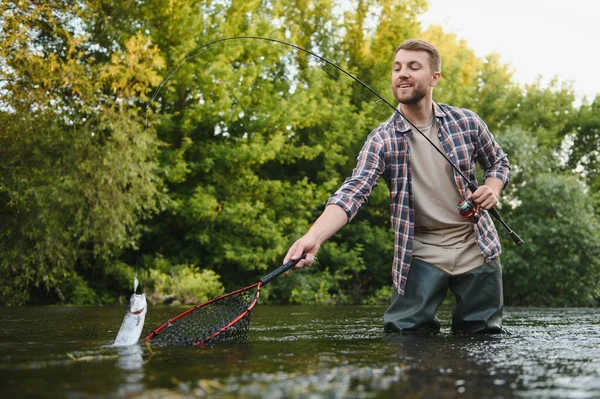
(472, 186)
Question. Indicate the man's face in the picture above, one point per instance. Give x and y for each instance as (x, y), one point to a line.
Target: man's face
(412, 77)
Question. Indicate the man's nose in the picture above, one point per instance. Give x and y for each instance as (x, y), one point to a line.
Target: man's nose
(403, 73)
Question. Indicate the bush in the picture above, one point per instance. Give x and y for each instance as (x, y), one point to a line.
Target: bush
(381, 297)
(553, 211)
(318, 289)
(559, 263)
(185, 284)
(76, 291)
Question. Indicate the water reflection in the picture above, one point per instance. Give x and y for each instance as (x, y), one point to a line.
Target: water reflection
(442, 363)
(130, 359)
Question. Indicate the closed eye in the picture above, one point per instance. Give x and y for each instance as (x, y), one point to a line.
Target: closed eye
(413, 66)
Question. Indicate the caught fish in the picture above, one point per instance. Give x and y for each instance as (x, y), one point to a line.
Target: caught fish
(133, 321)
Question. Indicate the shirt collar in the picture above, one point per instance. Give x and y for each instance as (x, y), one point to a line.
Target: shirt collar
(403, 127)
(400, 124)
(438, 111)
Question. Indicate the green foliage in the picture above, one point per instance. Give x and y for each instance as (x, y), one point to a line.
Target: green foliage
(117, 282)
(244, 145)
(79, 170)
(584, 154)
(186, 284)
(76, 291)
(317, 289)
(545, 111)
(559, 262)
(380, 297)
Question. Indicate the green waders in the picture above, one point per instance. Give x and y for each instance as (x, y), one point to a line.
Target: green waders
(479, 300)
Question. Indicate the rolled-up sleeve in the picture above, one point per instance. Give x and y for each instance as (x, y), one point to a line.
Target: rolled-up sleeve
(490, 155)
(353, 193)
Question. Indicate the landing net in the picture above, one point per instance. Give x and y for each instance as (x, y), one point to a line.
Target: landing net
(223, 319)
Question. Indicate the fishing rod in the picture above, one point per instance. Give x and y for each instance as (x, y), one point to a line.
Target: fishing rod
(467, 206)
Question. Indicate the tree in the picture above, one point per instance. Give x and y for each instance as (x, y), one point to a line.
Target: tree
(584, 154)
(558, 264)
(545, 111)
(245, 142)
(79, 169)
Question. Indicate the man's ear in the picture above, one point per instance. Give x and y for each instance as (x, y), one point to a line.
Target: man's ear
(435, 79)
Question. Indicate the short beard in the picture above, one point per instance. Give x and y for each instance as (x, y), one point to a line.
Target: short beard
(417, 96)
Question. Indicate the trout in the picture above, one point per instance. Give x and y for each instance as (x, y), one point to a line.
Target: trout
(133, 321)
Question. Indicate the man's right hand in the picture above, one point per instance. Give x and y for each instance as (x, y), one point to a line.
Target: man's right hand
(308, 245)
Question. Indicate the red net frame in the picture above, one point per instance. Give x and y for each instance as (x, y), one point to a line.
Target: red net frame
(226, 317)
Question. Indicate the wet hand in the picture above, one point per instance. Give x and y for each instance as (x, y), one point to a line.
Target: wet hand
(485, 197)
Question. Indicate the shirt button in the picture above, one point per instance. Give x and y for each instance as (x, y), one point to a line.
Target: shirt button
(451, 155)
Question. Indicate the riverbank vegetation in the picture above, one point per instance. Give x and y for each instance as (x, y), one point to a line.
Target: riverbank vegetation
(244, 144)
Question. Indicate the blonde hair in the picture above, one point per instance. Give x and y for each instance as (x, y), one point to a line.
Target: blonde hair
(435, 59)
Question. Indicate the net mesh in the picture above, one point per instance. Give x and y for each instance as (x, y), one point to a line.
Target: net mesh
(198, 326)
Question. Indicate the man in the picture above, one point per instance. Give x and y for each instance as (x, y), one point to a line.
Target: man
(436, 249)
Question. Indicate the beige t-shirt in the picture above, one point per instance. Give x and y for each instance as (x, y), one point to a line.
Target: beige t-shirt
(442, 236)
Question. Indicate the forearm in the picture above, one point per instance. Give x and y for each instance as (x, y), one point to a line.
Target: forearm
(492, 159)
(331, 220)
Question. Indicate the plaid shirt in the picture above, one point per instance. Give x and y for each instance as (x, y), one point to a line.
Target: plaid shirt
(464, 137)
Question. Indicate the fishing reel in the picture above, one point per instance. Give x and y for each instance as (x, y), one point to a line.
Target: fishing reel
(470, 209)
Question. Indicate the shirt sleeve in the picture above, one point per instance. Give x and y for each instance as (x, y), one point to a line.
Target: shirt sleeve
(490, 156)
(353, 193)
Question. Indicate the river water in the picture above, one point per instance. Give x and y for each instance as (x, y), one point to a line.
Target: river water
(301, 352)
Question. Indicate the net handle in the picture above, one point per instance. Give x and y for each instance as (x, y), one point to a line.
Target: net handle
(280, 270)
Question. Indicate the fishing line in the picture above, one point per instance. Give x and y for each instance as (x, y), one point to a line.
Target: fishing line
(135, 277)
(213, 44)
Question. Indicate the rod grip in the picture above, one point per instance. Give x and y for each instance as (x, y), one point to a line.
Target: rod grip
(280, 270)
(515, 238)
